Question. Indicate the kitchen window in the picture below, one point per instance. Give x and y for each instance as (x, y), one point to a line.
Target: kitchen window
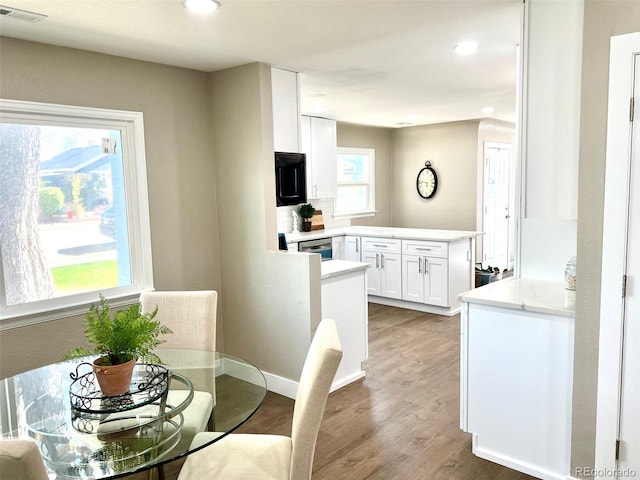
(74, 221)
(355, 184)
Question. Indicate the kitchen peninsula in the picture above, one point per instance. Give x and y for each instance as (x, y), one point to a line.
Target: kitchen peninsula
(418, 269)
(516, 374)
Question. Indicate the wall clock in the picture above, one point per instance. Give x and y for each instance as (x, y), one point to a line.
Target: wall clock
(427, 181)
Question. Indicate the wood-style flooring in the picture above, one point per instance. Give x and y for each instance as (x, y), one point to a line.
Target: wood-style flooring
(402, 420)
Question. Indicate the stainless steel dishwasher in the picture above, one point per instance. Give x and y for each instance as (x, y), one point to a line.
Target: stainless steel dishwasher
(321, 246)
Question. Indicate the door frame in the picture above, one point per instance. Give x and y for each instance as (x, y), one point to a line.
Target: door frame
(614, 246)
(510, 197)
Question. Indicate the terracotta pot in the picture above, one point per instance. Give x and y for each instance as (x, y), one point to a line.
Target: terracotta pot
(114, 379)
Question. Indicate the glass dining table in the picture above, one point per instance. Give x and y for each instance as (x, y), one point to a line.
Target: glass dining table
(82, 433)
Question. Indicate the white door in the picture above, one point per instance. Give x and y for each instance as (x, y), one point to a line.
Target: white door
(436, 281)
(391, 275)
(496, 212)
(630, 388)
(412, 278)
(618, 416)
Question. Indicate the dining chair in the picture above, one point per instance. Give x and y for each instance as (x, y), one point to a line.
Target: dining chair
(21, 460)
(271, 457)
(191, 315)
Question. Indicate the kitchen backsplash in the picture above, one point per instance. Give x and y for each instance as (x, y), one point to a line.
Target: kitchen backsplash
(285, 219)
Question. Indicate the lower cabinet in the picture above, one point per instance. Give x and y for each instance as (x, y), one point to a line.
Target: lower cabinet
(337, 247)
(384, 275)
(352, 248)
(425, 280)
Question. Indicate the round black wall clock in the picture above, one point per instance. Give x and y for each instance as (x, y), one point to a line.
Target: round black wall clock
(427, 181)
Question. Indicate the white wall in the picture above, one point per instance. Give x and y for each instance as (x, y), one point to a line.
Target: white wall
(551, 138)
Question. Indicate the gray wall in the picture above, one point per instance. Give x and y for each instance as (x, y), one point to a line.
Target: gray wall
(602, 19)
(453, 149)
(180, 169)
(380, 139)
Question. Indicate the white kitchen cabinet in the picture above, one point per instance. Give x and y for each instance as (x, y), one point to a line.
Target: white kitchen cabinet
(344, 299)
(425, 272)
(337, 247)
(516, 375)
(352, 250)
(286, 110)
(384, 276)
(319, 143)
(292, 247)
(425, 280)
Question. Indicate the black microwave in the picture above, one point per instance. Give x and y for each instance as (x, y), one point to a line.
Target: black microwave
(291, 178)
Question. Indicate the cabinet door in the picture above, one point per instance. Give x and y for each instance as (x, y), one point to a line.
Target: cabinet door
(391, 275)
(352, 248)
(412, 278)
(286, 112)
(436, 281)
(337, 247)
(319, 142)
(373, 272)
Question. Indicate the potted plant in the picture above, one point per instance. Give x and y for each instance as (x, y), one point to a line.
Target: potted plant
(122, 339)
(306, 211)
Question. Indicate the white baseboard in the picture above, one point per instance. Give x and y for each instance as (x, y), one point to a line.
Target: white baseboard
(281, 385)
(289, 388)
(515, 464)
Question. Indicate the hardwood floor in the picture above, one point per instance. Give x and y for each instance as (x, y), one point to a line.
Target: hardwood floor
(402, 420)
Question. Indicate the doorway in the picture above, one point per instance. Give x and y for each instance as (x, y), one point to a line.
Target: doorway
(497, 205)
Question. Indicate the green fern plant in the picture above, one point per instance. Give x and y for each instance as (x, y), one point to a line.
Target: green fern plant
(126, 335)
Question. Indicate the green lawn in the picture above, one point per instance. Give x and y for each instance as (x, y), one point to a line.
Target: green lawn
(85, 276)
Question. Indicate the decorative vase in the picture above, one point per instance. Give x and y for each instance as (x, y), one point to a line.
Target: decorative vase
(306, 225)
(114, 379)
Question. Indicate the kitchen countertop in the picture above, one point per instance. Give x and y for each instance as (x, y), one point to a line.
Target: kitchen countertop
(387, 232)
(333, 268)
(524, 294)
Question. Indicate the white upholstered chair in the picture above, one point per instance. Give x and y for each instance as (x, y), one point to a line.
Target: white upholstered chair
(21, 460)
(271, 457)
(191, 315)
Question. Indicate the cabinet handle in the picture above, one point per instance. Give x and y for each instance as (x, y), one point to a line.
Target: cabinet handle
(382, 261)
(357, 245)
(426, 266)
(419, 264)
(377, 261)
(378, 245)
(424, 249)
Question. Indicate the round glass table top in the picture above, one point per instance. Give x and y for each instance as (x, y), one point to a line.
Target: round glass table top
(83, 434)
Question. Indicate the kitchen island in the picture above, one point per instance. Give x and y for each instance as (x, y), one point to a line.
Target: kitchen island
(344, 299)
(516, 374)
(418, 269)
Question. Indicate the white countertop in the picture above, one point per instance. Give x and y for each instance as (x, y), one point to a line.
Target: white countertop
(333, 268)
(524, 294)
(387, 232)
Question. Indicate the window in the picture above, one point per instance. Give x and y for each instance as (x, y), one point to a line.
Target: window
(356, 173)
(74, 220)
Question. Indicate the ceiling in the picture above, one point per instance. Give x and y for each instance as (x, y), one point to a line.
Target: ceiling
(373, 62)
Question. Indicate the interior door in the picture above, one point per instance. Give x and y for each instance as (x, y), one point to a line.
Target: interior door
(496, 212)
(629, 433)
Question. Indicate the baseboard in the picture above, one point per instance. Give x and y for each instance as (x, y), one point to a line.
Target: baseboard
(515, 464)
(347, 380)
(289, 388)
(420, 307)
(281, 385)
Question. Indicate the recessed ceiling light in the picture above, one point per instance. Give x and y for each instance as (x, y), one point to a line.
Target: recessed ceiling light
(466, 48)
(488, 110)
(202, 6)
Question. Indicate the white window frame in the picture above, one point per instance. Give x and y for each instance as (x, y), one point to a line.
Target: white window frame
(370, 210)
(131, 127)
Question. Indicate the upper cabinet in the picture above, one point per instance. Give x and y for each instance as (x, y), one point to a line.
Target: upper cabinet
(286, 110)
(319, 142)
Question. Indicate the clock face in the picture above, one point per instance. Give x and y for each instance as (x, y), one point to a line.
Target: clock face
(427, 182)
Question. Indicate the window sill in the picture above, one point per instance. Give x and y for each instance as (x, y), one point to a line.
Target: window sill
(355, 214)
